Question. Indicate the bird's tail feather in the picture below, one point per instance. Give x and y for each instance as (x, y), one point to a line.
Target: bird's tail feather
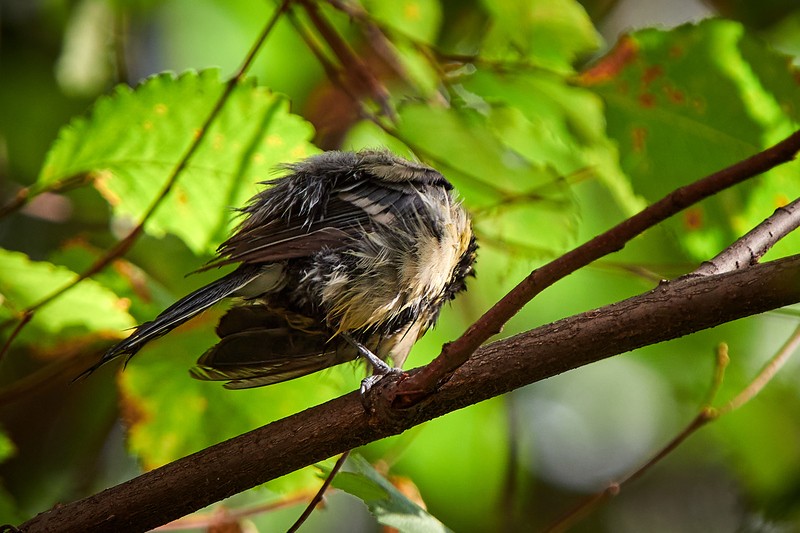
(178, 313)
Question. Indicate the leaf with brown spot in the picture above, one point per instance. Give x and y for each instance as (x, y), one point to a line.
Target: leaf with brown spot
(702, 96)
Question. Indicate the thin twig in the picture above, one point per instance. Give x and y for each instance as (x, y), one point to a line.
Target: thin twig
(749, 249)
(229, 516)
(375, 34)
(24, 318)
(457, 352)
(500, 66)
(331, 71)
(541, 194)
(24, 195)
(349, 60)
(765, 376)
(320, 493)
(21, 197)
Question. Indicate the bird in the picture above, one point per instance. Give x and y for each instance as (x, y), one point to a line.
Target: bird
(347, 254)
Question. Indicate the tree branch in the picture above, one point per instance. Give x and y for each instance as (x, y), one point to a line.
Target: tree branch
(359, 71)
(669, 311)
(457, 352)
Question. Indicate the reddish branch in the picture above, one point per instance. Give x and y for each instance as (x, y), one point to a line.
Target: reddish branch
(457, 352)
(671, 310)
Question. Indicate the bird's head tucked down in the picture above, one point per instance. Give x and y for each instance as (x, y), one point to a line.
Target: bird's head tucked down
(349, 253)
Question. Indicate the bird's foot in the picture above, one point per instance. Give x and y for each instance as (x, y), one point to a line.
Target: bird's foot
(368, 382)
(379, 371)
(378, 379)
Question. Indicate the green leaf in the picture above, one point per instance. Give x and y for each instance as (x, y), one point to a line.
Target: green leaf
(391, 507)
(693, 100)
(86, 308)
(133, 139)
(555, 124)
(549, 33)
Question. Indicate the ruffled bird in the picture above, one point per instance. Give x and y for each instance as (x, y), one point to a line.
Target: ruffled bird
(348, 254)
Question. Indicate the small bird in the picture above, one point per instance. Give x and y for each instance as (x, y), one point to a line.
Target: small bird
(350, 253)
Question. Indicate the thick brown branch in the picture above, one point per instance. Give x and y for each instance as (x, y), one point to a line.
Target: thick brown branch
(457, 352)
(671, 310)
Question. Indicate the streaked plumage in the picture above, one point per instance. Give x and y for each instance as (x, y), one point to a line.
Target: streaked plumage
(363, 246)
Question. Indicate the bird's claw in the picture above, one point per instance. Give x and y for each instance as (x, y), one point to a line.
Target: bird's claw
(370, 381)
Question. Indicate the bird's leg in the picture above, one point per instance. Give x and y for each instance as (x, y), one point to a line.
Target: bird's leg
(379, 366)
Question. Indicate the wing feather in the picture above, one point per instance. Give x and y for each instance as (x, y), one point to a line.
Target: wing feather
(350, 209)
(260, 346)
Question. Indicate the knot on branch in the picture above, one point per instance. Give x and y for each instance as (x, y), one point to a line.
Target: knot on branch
(387, 402)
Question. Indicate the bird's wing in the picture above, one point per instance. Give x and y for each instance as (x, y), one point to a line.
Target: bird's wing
(297, 346)
(292, 354)
(349, 211)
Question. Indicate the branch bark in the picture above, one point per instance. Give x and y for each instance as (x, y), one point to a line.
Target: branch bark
(669, 311)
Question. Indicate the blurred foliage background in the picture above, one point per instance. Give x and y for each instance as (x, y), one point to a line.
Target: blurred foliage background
(555, 119)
